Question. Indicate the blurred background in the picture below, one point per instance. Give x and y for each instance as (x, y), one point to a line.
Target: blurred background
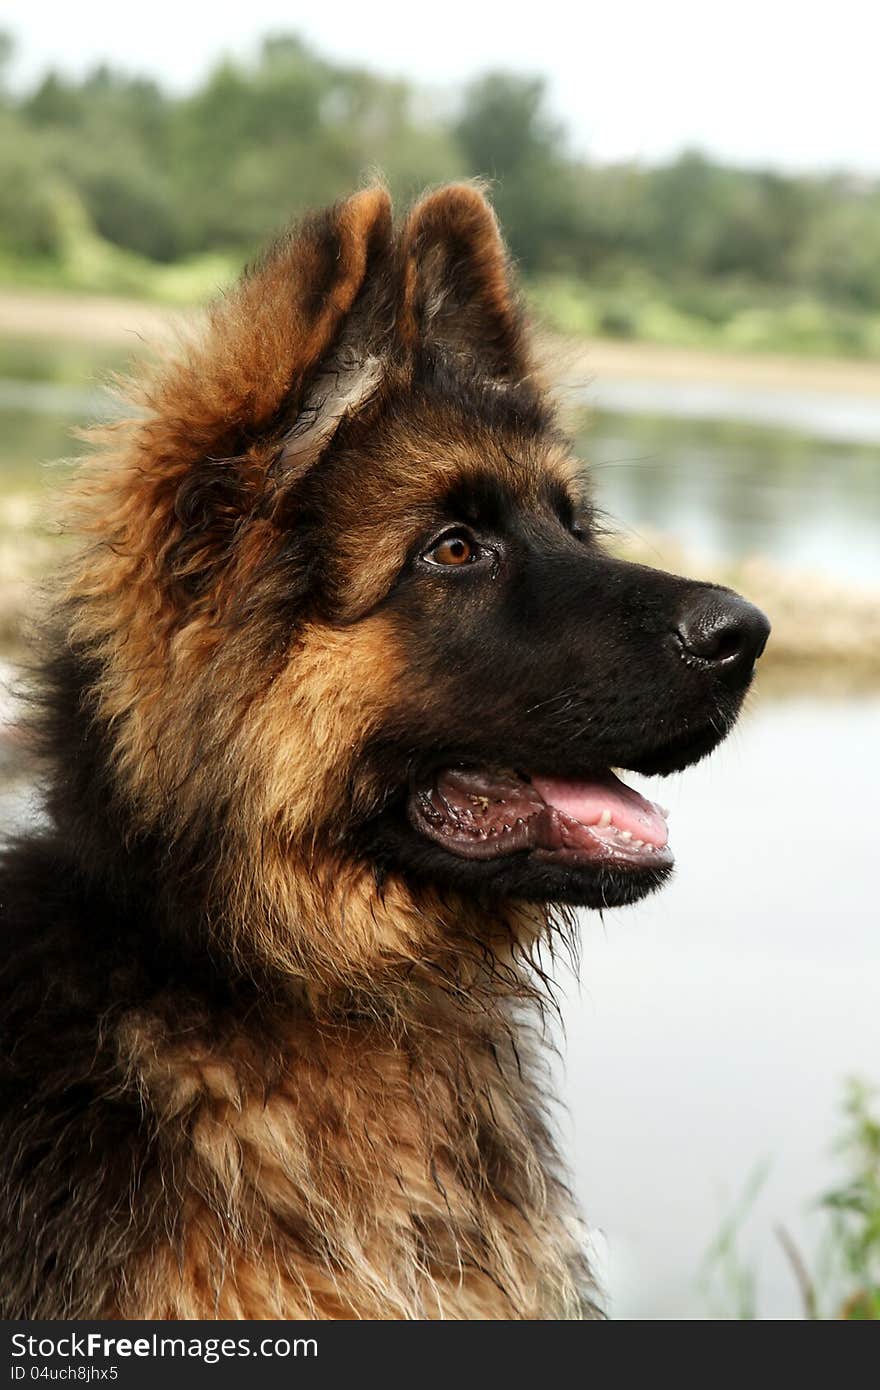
(693, 199)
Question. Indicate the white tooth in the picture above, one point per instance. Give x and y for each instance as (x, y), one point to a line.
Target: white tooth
(637, 844)
(604, 819)
(626, 834)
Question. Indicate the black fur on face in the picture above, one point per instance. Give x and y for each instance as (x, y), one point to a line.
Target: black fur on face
(532, 652)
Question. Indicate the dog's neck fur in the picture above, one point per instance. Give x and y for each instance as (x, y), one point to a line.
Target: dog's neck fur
(371, 1147)
(359, 1170)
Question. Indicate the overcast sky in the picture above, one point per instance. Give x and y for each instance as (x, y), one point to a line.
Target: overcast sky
(792, 84)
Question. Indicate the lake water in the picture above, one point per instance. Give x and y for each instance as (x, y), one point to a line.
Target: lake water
(729, 489)
(713, 1026)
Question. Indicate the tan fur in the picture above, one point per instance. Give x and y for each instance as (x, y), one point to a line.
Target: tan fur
(345, 1191)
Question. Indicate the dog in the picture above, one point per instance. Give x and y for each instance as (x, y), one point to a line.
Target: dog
(331, 696)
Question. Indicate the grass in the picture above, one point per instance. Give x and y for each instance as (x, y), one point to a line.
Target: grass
(88, 264)
(843, 1281)
(733, 316)
(852, 1208)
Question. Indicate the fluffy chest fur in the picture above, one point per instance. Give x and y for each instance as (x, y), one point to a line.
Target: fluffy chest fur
(353, 1171)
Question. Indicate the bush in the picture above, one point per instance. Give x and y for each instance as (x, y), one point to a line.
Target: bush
(28, 194)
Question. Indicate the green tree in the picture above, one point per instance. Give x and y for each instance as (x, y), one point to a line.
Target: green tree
(507, 136)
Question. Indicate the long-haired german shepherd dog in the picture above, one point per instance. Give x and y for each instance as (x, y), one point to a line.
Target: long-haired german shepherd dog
(330, 708)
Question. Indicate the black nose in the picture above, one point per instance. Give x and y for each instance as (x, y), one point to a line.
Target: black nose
(723, 631)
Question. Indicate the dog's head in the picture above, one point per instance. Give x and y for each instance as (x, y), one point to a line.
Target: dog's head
(348, 603)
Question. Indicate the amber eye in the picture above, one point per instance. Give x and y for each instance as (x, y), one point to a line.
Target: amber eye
(454, 549)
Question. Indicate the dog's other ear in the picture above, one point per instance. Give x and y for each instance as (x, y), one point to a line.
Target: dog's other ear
(458, 295)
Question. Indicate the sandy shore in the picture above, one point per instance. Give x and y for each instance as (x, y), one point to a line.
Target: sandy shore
(36, 314)
(82, 318)
(602, 359)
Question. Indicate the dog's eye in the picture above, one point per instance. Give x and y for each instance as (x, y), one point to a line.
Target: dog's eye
(579, 531)
(455, 548)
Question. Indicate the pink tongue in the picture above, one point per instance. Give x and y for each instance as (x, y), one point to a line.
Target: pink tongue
(585, 802)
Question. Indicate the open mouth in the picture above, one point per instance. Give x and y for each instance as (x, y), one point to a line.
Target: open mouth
(490, 813)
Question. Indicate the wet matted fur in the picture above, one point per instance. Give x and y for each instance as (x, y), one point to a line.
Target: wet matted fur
(271, 1018)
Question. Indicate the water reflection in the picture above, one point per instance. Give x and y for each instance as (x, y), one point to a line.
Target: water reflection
(729, 490)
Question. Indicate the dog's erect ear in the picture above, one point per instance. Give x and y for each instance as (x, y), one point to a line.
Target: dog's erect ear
(457, 292)
(268, 335)
(217, 415)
